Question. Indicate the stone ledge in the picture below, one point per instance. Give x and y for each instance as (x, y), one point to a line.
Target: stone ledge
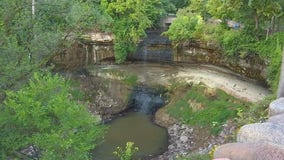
(276, 107)
(98, 37)
(277, 119)
(261, 132)
(250, 151)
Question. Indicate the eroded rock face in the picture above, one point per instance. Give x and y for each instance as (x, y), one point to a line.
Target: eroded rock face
(250, 151)
(107, 97)
(261, 132)
(251, 66)
(276, 107)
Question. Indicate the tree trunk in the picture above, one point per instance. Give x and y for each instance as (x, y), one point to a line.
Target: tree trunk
(281, 80)
(256, 19)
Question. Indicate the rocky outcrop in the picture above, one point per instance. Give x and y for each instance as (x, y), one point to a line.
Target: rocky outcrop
(277, 119)
(91, 48)
(98, 37)
(259, 132)
(106, 97)
(250, 151)
(184, 139)
(276, 107)
(250, 66)
(259, 141)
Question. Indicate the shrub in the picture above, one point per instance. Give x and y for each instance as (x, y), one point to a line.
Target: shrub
(44, 114)
(127, 153)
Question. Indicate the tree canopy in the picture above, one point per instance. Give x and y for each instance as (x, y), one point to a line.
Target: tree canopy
(238, 27)
(45, 115)
(130, 20)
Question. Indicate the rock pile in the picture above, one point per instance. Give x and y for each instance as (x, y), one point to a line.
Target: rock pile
(180, 142)
(259, 141)
(184, 139)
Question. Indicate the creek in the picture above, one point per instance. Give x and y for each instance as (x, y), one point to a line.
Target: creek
(136, 125)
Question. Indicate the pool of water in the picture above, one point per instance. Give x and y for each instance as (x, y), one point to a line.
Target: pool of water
(136, 127)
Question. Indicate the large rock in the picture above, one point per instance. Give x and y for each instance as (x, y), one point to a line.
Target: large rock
(250, 151)
(276, 107)
(278, 119)
(262, 132)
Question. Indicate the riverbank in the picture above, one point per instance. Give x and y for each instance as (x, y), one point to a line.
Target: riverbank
(182, 138)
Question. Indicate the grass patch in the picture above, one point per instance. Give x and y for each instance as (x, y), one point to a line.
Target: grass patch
(205, 107)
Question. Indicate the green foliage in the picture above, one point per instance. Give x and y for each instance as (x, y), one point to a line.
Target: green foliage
(179, 3)
(199, 108)
(255, 113)
(29, 41)
(127, 153)
(44, 114)
(130, 20)
(184, 28)
(271, 49)
(260, 31)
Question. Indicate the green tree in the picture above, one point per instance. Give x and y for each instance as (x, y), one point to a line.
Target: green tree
(180, 3)
(130, 20)
(30, 39)
(184, 28)
(267, 11)
(45, 115)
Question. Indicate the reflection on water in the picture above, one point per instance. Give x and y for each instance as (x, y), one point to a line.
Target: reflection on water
(136, 127)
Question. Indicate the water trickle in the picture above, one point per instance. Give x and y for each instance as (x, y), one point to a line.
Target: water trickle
(136, 126)
(146, 100)
(154, 48)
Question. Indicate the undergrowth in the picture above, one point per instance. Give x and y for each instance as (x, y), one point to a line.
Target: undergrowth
(204, 107)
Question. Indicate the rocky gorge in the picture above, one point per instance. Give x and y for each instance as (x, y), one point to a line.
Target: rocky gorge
(108, 88)
(109, 93)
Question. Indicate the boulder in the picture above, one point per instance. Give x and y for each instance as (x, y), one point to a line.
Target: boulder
(276, 107)
(278, 119)
(261, 132)
(250, 151)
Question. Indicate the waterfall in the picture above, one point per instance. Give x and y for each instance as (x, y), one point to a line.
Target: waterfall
(146, 100)
(87, 55)
(154, 47)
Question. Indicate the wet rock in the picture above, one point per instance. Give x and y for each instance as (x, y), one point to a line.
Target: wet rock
(250, 151)
(276, 107)
(278, 119)
(262, 132)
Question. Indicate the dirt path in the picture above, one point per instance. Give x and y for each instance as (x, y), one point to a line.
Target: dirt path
(212, 76)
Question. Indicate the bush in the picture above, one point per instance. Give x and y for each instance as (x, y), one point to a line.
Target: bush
(44, 114)
(127, 153)
(184, 28)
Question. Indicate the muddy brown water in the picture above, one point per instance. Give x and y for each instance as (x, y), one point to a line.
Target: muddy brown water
(136, 127)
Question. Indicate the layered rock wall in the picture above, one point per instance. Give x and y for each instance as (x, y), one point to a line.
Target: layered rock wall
(92, 48)
(199, 52)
